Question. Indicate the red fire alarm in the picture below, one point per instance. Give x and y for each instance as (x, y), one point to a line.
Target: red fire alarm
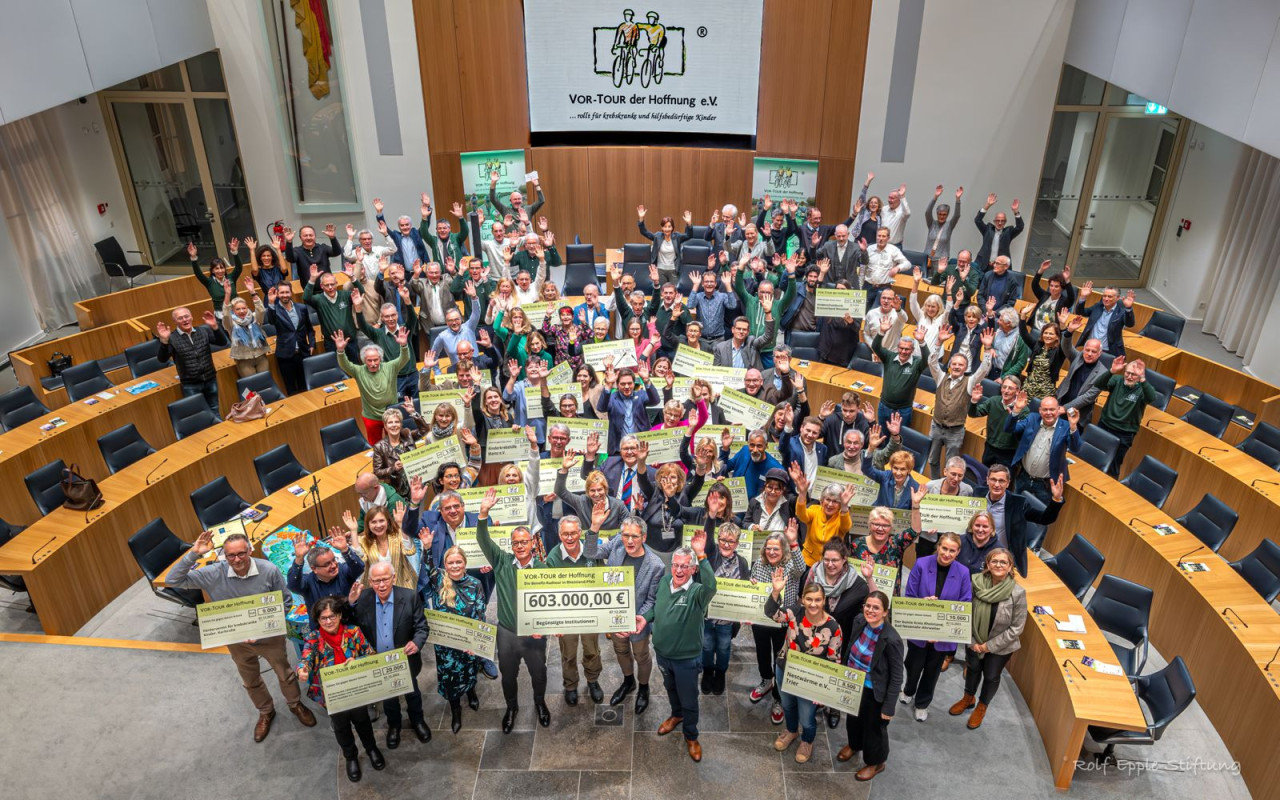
(1186, 224)
(102, 209)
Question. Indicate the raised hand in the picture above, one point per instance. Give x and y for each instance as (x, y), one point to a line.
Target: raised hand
(203, 543)
(1117, 365)
(339, 340)
(1020, 402)
(377, 204)
(959, 192)
(699, 543)
(209, 319)
(826, 408)
(917, 494)
(640, 210)
(793, 532)
(1056, 488)
(593, 445)
(599, 513)
(1086, 290)
(1014, 206)
(251, 243)
(354, 594)
(875, 437)
(895, 424)
(402, 336)
(1128, 299)
(191, 251)
(991, 200)
(162, 332)
(846, 494)
(976, 395)
(330, 230)
(937, 192)
(987, 337)
(779, 581)
(488, 502)
(456, 209)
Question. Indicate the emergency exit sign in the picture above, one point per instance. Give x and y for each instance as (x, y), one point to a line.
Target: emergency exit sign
(1156, 108)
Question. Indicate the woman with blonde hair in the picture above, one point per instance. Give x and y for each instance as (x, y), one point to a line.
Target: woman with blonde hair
(932, 317)
(249, 346)
(451, 590)
(382, 540)
(396, 441)
(503, 299)
(999, 615)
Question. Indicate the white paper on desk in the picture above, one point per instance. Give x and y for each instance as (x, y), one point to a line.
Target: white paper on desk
(1102, 666)
(1074, 624)
(297, 491)
(1043, 610)
(530, 177)
(1194, 566)
(105, 395)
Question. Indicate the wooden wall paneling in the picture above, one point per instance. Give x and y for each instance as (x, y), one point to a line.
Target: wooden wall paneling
(446, 182)
(835, 188)
(793, 55)
(846, 65)
(671, 185)
(491, 74)
(565, 175)
(617, 177)
(438, 66)
(724, 176)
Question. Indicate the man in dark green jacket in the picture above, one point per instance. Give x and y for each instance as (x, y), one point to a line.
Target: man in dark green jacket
(384, 336)
(901, 374)
(677, 617)
(512, 649)
(1128, 395)
(1001, 444)
(333, 306)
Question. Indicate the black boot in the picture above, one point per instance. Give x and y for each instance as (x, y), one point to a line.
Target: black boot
(717, 681)
(375, 758)
(455, 714)
(473, 702)
(353, 769)
(627, 687)
(642, 698)
(509, 719)
(706, 679)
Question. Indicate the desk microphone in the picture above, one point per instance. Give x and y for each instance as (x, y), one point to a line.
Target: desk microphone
(1267, 668)
(1200, 452)
(335, 393)
(1141, 522)
(255, 525)
(266, 419)
(1159, 422)
(215, 441)
(89, 510)
(313, 491)
(1182, 559)
(1066, 662)
(53, 539)
(153, 471)
(1090, 485)
(1254, 484)
(1234, 614)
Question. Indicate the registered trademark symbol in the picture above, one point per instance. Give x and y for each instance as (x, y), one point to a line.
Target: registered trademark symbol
(702, 32)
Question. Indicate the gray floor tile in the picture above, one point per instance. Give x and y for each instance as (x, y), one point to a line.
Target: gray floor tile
(507, 750)
(498, 785)
(605, 786)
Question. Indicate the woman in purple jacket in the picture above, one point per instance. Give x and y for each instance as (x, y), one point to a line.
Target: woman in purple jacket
(935, 577)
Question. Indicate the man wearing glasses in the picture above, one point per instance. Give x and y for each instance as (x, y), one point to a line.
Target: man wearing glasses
(512, 649)
(245, 576)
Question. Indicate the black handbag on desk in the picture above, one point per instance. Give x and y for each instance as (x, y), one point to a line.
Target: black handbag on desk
(58, 362)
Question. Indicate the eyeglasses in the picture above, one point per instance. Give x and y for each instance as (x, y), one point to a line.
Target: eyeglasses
(328, 617)
(681, 566)
(631, 536)
(325, 565)
(730, 542)
(998, 563)
(235, 556)
(521, 543)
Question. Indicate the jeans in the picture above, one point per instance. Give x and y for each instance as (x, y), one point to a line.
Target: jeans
(210, 391)
(1036, 487)
(412, 699)
(1126, 441)
(942, 437)
(717, 640)
(883, 412)
(799, 713)
(680, 679)
(291, 371)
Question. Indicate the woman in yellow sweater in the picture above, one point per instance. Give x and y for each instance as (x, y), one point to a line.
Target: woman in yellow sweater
(827, 520)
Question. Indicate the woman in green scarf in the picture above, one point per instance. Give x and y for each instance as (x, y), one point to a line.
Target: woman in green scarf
(999, 613)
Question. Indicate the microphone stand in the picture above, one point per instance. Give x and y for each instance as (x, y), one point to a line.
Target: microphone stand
(1234, 614)
(314, 494)
(215, 441)
(153, 471)
(1066, 662)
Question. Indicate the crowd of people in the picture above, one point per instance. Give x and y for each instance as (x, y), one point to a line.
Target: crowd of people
(420, 312)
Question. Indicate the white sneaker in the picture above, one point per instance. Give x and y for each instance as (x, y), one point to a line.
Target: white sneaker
(922, 714)
(905, 699)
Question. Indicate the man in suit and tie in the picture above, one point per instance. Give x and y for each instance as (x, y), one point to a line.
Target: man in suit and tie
(621, 471)
(1105, 321)
(1077, 391)
(742, 350)
(1011, 513)
(295, 335)
(626, 408)
(996, 235)
(847, 259)
(391, 618)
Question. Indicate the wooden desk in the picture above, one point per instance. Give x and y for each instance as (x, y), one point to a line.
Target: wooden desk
(336, 484)
(1225, 657)
(1062, 702)
(105, 309)
(73, 568)
(30, 364)
(1207, 464)
(1157, 355)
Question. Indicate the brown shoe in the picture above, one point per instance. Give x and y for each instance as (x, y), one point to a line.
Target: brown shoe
(304, 715)
(695, 749)
(946, 661)
(845, 753)
(668, 725)
(962, 705)
(868, 772)
(263, 727)
(804, 752)
(975, 719)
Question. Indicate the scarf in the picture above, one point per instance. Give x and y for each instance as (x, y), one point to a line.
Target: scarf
(247, 332)
(985, 597)
(438, 433)
(833, 591)
(334, 640)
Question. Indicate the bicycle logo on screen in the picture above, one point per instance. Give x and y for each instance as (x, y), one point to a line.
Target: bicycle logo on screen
(491, 165)
(646, 50)
(783, 178)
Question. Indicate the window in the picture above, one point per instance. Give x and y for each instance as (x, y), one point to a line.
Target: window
(310, 104)
(1160, 168)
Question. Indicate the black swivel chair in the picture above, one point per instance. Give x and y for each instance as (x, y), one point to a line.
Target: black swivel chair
(122, 447)
(1152, 480)
(1164, 327)
(277, 468)
(114, 262)
(190, 415)
(19, 406)
(1123, 608)
(926, 383)
(321, 370)
(155, 547)
(1164, 386)
(263, 384)
(14, 583)
(869, 367)
(1077, 565)
(1098, 447)
(216, 502)
(342, 440)
(1263, 444)
(1261, 569)
(1211, 521)
(45, 486)
(916, 443)
(579, 268)
(804, 345)
(990, 388)
(700, 232)
(635, 262)
(85, 380)
(1165, 693)
(1035, 531)
(1209, 414)
(143, 359)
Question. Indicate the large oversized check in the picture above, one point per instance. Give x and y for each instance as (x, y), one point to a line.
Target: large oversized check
(721, 378)
(548, 471)
(425, 460)
(240, 619)
(823, 681)
(737, 434)
(744, 409)
(838, 302)
(882, 577)
(740, 601)
(746, 542)
(580, 429)
(679, 387)
(933, 620)
(949, 513)
(466, 541)
(537, 312)
(506, 445)
(664, 444)
(859, 513)
(737, 490)
(620, 352)
(865, 490)
(560, 374)
(360, 681)
(462, 633)
(688, 361)
(512, 507)
(533, 398)
(427, 402)
(575, 600)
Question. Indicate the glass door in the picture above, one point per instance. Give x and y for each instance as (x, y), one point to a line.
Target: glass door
(176, 147)
(1066, 160)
